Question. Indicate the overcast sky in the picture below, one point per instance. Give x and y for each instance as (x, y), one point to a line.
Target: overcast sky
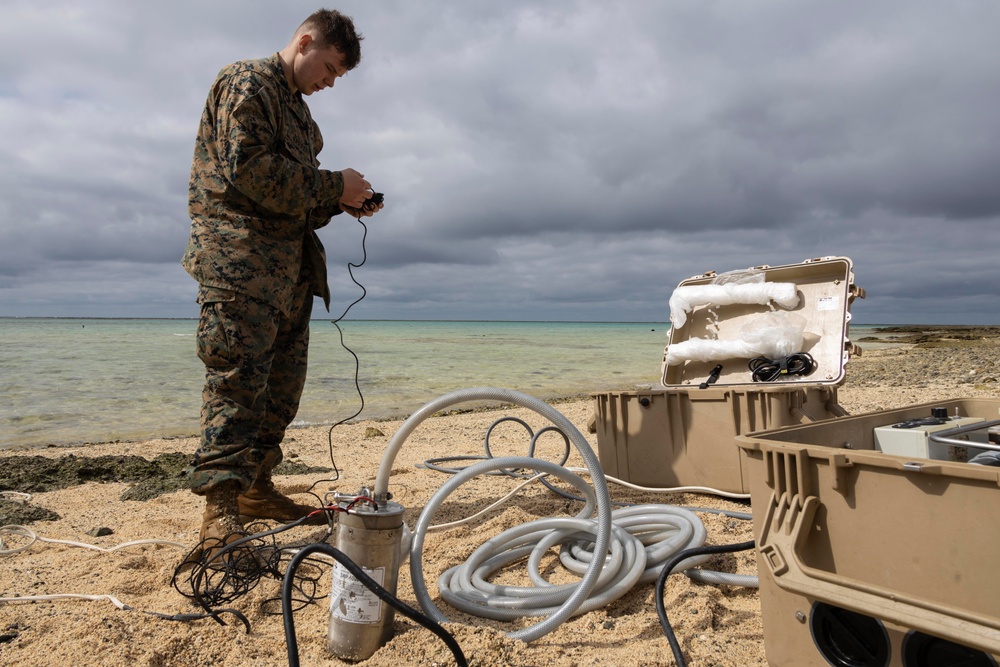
(540, 160)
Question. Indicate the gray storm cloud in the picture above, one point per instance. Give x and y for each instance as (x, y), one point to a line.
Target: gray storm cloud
(540, 161)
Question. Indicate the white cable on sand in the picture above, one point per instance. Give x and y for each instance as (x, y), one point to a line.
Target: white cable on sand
(32, 536)
(68, 596)
(671, 489)
(485, 510)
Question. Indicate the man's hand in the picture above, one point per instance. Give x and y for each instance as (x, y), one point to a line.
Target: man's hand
(369, 208)
(356, 189)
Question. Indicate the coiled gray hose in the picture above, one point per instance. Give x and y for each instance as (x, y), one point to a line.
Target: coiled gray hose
(723, 578)
(642, 537)
(602, 532)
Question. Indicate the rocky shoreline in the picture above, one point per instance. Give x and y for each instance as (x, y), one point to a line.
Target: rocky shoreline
(938, 357)
(934, 335)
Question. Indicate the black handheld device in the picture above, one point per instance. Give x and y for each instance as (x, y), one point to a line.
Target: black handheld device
(376, 199)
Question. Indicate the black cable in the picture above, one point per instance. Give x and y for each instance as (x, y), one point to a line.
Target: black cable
(674, 561)
(713, 377)
(370, 584)
(357, 363)
(350, 270)
(763, 369)
(233, 570)
(272, 606)
(197, 617)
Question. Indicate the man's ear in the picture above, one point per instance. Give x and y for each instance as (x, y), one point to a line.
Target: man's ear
(304, 41)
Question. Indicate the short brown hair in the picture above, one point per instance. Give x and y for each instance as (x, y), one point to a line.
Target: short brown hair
(337, 30)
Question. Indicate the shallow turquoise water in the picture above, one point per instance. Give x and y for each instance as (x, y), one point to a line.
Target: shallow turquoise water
(96, 380)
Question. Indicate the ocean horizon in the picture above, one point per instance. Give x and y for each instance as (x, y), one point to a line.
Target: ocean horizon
(75, 380)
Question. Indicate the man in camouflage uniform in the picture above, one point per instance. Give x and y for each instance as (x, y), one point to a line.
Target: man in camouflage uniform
(256, 198)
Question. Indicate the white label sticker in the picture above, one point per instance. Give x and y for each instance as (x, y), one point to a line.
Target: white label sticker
(827, 303)
(349, 599)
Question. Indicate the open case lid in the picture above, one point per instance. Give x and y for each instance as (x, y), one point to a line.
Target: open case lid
(727, 319)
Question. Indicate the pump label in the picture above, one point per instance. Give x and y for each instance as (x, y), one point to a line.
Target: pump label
(828, 303)
(349, 599)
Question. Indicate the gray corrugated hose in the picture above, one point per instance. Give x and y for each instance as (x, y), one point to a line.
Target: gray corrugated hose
(636, 541)
(602, 532)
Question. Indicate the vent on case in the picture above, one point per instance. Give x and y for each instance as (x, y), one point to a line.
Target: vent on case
(922, 650)
(849, 639)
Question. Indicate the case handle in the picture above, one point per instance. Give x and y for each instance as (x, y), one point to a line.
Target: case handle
(785, 533)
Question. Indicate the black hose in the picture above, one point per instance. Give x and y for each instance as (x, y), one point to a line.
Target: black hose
(372, 585)
(661, 581)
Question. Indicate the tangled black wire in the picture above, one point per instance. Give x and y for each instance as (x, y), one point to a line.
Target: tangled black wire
(763, 369)
(215, 573)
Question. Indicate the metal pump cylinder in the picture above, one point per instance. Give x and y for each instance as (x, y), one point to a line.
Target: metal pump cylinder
(360, 622)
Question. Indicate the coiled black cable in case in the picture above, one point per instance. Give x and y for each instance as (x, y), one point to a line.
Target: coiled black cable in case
(763, 369)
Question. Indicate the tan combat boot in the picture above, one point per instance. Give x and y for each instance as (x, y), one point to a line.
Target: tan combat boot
(220, 524)
(263, 501)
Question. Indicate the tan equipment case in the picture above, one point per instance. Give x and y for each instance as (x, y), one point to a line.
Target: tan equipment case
(681, 432)
(870, 559)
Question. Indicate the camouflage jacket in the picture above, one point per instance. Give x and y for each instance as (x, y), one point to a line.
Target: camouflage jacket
(257, 194)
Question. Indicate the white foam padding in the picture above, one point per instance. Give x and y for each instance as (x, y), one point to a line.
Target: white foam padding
(705, 349)
(688, 297)
(772, 335)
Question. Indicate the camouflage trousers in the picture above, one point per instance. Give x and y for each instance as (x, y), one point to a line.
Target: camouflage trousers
(255, 368)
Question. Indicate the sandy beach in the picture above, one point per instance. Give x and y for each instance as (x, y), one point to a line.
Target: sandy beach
(716, 625)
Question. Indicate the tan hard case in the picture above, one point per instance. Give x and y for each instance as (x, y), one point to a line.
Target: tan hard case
(866, 558)
(677, 434)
